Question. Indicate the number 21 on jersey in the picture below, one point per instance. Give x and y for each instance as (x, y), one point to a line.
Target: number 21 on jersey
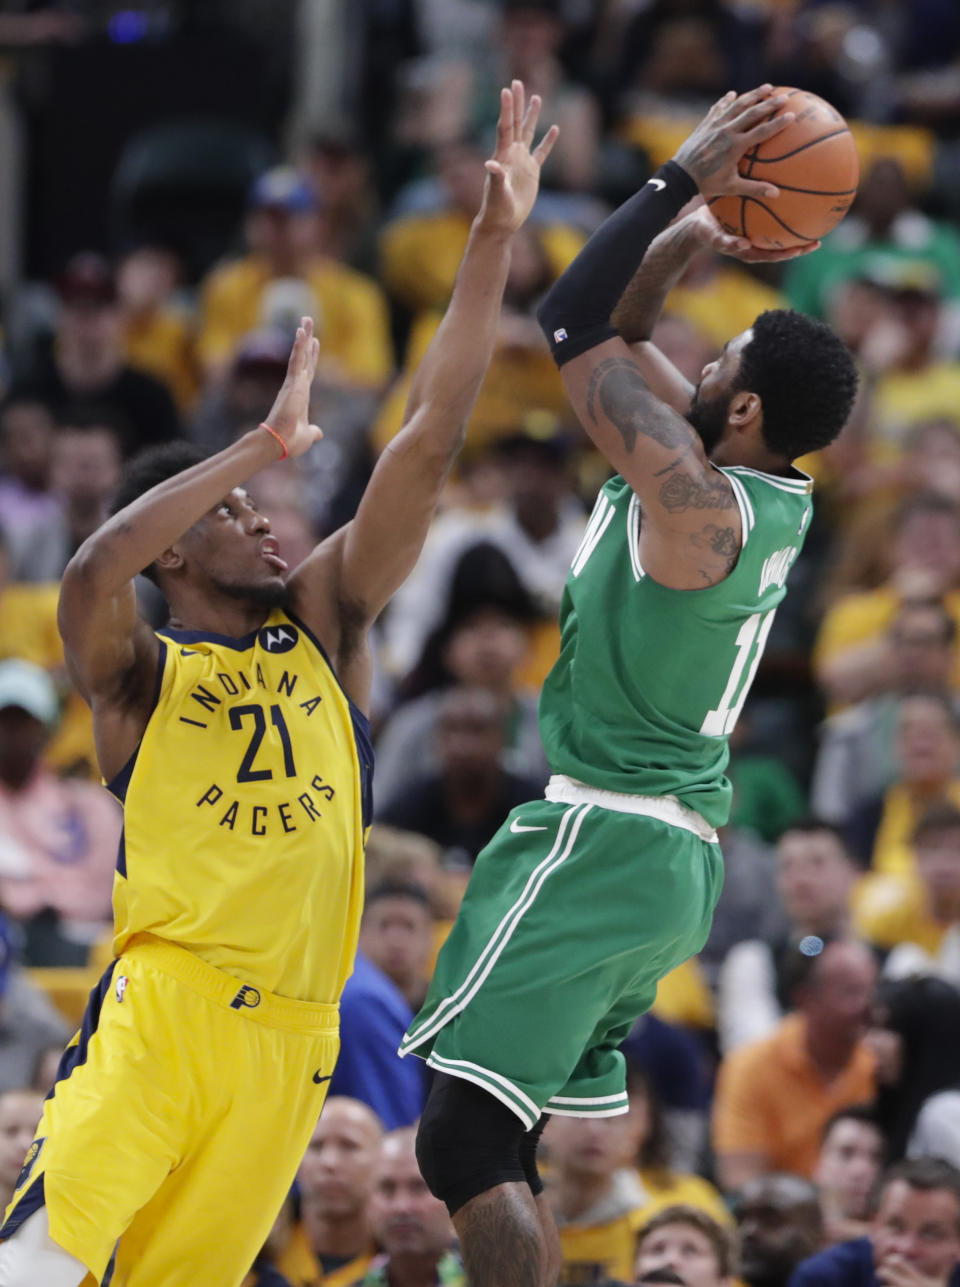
(751, 641)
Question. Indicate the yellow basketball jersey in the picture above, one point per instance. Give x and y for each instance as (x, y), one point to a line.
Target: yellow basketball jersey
(245, 807)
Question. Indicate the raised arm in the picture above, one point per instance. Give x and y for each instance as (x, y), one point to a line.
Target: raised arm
(111, 653)
(374, 553)
(691, 524)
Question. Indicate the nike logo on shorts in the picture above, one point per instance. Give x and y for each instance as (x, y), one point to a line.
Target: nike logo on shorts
(318, 1079)
(659, 184)
(517, 826)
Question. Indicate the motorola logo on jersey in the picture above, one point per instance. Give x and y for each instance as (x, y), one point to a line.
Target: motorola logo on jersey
(278, 638)
(247, 998)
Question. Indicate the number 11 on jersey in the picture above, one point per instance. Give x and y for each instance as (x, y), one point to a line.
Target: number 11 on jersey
(751, 641)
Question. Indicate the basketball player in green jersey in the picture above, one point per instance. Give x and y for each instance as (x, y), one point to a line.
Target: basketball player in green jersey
(584, 900)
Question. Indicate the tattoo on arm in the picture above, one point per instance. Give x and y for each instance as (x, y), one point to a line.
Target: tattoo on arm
(683, 491)
(626, 401)
(722, 542)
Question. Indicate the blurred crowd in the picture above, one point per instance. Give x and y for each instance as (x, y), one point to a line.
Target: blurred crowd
(795, 1091)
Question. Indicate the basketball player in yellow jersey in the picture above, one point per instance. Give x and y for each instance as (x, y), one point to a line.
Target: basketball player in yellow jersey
(238, 742)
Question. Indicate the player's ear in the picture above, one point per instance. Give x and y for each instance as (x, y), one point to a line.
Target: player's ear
(745, 409)
(171, 560)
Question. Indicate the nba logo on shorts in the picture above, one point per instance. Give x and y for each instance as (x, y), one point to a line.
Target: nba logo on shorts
(121, 986)
(248, 997)
(559, 335)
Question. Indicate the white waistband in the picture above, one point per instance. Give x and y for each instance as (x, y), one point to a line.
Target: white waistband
(564, 790)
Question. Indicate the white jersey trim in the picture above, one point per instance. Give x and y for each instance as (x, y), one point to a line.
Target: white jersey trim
(801, 486)
(747, 519)
(633, 536)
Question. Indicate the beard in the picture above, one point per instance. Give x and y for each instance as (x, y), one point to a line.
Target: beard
(268, 594)
(709, 418)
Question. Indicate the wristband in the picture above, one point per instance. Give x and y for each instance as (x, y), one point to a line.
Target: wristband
(273, 434)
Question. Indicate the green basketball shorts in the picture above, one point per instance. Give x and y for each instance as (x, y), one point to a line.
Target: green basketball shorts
(574, 912)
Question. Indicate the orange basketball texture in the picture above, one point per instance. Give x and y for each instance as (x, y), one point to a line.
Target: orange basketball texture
(815, 165)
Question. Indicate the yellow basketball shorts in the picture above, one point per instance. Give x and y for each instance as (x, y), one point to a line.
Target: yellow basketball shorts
(179, 1116)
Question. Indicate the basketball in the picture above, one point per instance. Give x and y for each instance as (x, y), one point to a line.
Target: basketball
(815, 165)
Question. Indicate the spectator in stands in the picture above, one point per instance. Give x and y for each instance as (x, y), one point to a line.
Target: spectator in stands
(85, 472)
(702, 1251)
(19, 1114)
(856, 760)
(852, 1154)
(881, 830)
(481, 643)
(333, 1240)
(379, 1000)
(774, 1096)
(914, 1235)
(409, 1223)
(29, 1023)
(852, 658)
(537, 525)
(527, 47)
(915, 1039)
(464, 803)
(157, 335)
(396, 936)
(86, 367)
(339, 168)
(58, 838)
(597, 1197)
(45, 1068)
(886, 222)
(679, 1068)
(663, 1183)
(284, 277)
(815, 876)
(420, 253)
(521, 381)
(915, 915)
(26, 450)
(778, 1219)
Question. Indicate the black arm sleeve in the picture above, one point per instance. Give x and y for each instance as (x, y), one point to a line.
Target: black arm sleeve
(575, 315)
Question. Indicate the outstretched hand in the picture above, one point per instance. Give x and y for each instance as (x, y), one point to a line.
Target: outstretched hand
(513, 172)
(290, 413)
(735, 123)
(711, 236)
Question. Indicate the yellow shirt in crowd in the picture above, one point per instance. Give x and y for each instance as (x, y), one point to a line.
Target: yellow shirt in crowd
(350, 313)
(893, 909)
(28, 629)
(162, 344)
(298, 1263)
(866, 617)
(420, 255)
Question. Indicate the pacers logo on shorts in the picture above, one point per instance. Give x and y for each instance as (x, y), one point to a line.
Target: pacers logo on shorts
(33, 1152)
(248, 997)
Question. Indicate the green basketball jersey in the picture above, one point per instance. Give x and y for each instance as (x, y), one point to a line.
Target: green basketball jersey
(650, 681)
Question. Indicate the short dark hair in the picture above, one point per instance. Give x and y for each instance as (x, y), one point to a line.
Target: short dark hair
(923, 1173)
(811, 825)
(722, 1239)
(941, 816)
(804, 376)
(151, 467)
(408, 890)
(866, 1114)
